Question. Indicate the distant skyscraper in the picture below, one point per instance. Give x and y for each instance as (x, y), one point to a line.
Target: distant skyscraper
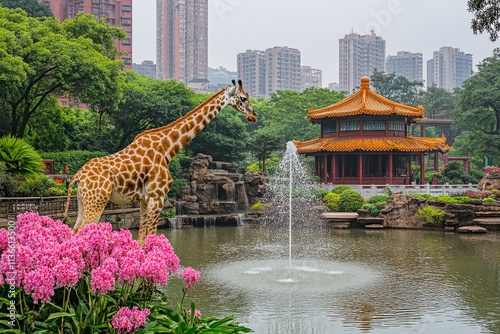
(282, 69)
(406, 64)
(146, 67)
(359, 55)
(182, 40)
(310, 77)
(117, 13)
(449, 68)
(252, 71)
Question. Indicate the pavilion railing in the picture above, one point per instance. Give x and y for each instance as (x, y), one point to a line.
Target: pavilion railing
(370, 190)
(53, 206)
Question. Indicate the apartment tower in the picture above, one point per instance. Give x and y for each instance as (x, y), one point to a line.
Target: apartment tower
(251, 68)
(406, 64)
(359, 55)
(449, 68)
(116, 12)
(310, 77)
(182, 40)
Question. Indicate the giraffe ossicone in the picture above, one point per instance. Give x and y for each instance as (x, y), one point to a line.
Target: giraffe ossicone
(139, 172)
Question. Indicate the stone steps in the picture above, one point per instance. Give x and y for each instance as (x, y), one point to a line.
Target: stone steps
(489, 223)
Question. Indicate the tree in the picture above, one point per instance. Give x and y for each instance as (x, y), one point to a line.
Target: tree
(396, 87)
(148, 103)
(43, 58)
(265, 141)
(478, 112)
(438, 102)
(486, 17)
(32, 7)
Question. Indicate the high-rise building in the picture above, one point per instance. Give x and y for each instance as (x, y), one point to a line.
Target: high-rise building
(182, 41)
(359, 55)
(117, 13)
(282, 69)
(146, 67)
(251, 69)
(310, 77)
(449, 68)
(406, 64)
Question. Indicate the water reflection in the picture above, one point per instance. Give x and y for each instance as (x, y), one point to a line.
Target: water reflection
(386, 281)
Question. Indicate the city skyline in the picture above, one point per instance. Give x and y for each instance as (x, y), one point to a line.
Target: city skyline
(315, 27)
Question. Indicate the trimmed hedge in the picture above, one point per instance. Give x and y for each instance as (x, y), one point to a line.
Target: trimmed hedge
(74, 159)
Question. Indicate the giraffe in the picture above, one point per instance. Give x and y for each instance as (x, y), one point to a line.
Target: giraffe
(139, 172)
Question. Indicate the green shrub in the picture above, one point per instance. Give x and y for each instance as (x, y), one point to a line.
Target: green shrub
(20, 158)
(339, 189)
(431, 215)
(429, 197)
(41, 186)
(332, 201)
(8, 183)
(379, 198)
(373, 210)
(323, 192)
(447, 199)
(257, 206)
(463, 199)
(350, 201)
(74, 159)
(489, 200)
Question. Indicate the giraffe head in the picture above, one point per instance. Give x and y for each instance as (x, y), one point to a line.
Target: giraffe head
(239, 100)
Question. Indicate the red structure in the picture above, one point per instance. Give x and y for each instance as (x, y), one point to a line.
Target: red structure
(364, 140)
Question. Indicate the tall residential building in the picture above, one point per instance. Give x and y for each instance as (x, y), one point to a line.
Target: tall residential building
(282, 69)
(117, 13)
(182, 41)
(251, 69)
(406, 64)
(359, 55)
(146, 67)
(449, 68)
(310, 77)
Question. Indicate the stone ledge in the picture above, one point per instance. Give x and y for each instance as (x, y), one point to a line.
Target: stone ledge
(472, 229)
(340, 215)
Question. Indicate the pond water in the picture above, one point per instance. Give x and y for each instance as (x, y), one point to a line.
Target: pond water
(344, 281)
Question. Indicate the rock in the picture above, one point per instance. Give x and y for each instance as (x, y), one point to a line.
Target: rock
(471, 229)
(489, 182)
(401, 209)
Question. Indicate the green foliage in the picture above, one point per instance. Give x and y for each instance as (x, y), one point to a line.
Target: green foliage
(447, 199)
(462, 199)
(32, 7)
(75, 159)
(373, 210)
(41, 186)
(431, 215)
(257, 206)
(489, 200)
(8, 183)
(388, 191)
(378, 198)
(332, 201)
(350, 201)
(478, 112)
(339, 189)
(486, 17)
(271, 165)
(396, 88)
(41, 59)
(170, 213)
(264, 142)
(475, 194)
(20, 158)
(454, 173)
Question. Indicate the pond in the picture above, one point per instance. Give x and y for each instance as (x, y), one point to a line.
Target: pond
(345, 281)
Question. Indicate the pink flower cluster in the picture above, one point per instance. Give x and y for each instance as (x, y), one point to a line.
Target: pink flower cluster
(190, 277)
(493, 169)
(127, 320)
(49, 255)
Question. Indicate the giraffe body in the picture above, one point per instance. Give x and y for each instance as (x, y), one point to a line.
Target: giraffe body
(139, 172)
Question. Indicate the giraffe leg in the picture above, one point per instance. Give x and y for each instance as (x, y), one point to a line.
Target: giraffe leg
(92, 205)
(150, 212)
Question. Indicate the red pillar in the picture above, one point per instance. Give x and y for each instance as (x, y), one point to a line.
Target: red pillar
(325, 173)
(334, 168)
(422, 168)
(390, 168)
(361, 168)
(436, 161)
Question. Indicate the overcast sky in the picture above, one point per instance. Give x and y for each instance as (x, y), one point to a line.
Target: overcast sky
(315, 26)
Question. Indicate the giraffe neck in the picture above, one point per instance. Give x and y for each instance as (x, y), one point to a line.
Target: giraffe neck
(174, 136)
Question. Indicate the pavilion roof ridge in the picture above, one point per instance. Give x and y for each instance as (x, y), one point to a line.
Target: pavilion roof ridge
(366, 102)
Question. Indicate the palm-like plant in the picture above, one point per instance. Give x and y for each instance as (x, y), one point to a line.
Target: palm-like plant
(21, 159)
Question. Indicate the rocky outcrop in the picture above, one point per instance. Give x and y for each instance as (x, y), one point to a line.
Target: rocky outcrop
(489, 182)
(400, 211)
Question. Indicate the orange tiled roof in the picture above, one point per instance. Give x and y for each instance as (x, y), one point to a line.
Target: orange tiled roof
(408, 144)
(366, 102)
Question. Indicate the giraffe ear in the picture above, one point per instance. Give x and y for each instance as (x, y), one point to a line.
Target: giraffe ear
(234, 82)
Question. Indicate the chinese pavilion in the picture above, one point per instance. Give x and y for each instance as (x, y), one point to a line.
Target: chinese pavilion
(364, 140)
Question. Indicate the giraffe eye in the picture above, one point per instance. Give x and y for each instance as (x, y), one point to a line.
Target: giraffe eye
(243, 99)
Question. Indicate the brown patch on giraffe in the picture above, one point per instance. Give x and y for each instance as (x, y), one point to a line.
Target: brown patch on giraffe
(199, 118)
(174, 136)
(185, 140)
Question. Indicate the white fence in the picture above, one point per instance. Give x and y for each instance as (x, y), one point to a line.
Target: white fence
(435, 190)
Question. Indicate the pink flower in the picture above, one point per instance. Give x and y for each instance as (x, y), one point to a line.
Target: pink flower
(40, 284)
(197, 314)
(66, 273)
(127, 320)
(102, 280)
(190, 277)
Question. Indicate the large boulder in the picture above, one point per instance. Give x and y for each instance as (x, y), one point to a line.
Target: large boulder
(489, 182)
(401, 209)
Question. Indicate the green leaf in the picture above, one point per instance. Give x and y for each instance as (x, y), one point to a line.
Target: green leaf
(60, 315)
